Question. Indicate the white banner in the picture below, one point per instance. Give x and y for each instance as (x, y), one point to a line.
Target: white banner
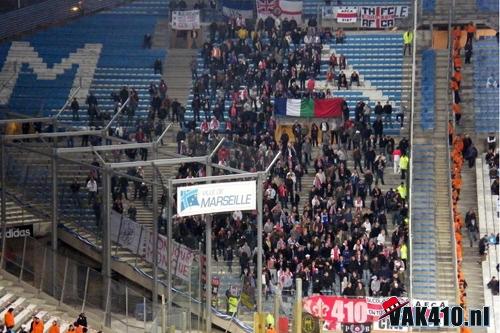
(381, 16)
(128, 230)
(347, 14)
(216, 198)
(343, 14)
(147, 249)
(186, 20)
(183, 259)
(402, 11)
(128, 234)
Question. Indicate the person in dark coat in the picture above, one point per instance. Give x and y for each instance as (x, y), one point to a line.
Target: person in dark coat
(82, 320)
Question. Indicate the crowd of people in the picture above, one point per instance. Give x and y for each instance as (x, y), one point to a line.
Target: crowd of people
(336, 237)
(463, 149)
(37, 325)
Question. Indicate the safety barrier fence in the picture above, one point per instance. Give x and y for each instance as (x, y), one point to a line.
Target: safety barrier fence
(29, 181)
(78, 286)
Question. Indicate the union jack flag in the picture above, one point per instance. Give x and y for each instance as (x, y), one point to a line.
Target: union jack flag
(266, 7)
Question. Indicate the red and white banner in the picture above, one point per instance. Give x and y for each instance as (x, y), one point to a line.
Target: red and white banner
(377, 17)
(182, 257)
(131, 235)
(347, 14)
(336, 310)
(280, 9)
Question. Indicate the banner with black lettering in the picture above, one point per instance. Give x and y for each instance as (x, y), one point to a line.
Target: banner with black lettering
(343, 14)
(381, 17)
(185, 20)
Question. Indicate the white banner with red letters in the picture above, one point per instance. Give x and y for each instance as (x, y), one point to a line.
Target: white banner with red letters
(132, 236)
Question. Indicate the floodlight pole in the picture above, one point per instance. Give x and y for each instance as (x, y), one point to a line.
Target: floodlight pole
(208, 252)
(155, 231)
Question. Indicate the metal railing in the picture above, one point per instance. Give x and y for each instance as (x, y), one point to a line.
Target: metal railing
(410, 173)
(451, 18)
(77, 287)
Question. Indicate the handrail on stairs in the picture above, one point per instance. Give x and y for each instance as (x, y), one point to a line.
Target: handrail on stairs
(67, 102)
(410, 174)
(158, 140)
(122, 107)
(450, 116)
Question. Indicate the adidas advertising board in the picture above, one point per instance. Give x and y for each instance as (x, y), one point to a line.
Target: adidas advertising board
(216, 198)
(18, 232)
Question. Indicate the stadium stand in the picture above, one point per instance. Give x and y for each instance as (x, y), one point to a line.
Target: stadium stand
(487, 5)
(27, 305)
(381, 74)
(379, 61)
(98, 53)
(424, 228)
(428, 89)
(486, 100)
(488, 208)
(428, 6)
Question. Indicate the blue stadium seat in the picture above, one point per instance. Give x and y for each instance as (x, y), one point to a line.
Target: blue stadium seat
(428, 96)
(122, 60)
(486, 101)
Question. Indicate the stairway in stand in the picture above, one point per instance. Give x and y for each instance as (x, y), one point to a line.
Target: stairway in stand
(177, 73)
(433, 266)
(468, 195)
(446, 273)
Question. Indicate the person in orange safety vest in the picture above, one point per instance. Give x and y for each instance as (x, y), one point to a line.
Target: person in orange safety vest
(54, 328)
(8, 319)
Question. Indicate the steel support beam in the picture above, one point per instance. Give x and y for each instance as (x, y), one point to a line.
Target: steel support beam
(208, 261)
(4, 202)
(259, 241)
(159, 162)
(27, 120)
(91, 149)
(155, 233)
(170, 247)
(54, 200)
(106, 239)
(54, 220)
(248, 175)
(51, 135)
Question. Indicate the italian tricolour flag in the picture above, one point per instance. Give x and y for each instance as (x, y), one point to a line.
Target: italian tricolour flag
(308, 107)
